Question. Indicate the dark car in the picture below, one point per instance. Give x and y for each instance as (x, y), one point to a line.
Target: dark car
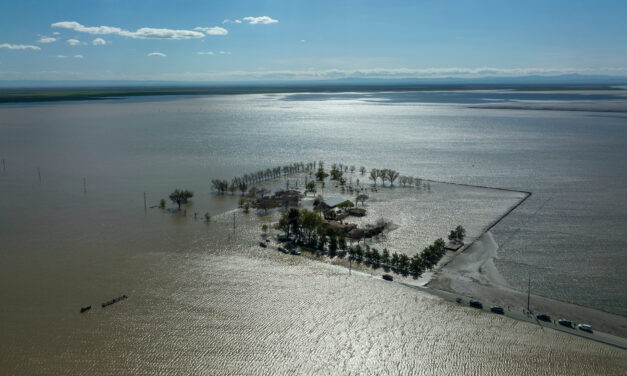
(262, 245)
(498, 310)
(387, 277)
(566, 323)
(543, 317)
(476, 304)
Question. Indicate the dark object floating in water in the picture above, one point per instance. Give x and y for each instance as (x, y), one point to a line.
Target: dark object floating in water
(387, 277)
(262, 245)
(543, 317)
(476, 304)
(113, 301)
(86, 308)
(498, 310)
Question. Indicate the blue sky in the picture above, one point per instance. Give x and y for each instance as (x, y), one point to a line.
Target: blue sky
(266, 40)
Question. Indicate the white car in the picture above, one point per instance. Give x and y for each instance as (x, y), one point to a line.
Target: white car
(585, 328)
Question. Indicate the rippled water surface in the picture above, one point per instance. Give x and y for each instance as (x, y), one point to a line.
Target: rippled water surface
(202, 300)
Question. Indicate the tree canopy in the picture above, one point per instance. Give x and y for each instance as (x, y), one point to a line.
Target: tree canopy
(180, 196)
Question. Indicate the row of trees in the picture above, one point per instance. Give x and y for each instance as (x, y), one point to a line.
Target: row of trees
(383, 174)
(305, 227)
(242, 182)
(390, 175)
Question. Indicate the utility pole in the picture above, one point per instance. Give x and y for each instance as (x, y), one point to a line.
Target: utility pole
(350, 264)
(144, 201)
(529, 294)
(39, 174)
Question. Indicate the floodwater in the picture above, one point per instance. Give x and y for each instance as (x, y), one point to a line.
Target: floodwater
(204, 300)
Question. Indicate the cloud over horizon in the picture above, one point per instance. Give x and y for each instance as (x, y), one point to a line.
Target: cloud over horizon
(160, 54)
(260, 20)
(19, 47)
(215, 30)
(99, 42)
(44, 39)
(142, 33)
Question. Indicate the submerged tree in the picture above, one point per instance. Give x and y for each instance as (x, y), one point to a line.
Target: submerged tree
(181, 196)
(320, 174)
(361, 197)
(374, 175)
(392, 175)
(310, 187)
(458, 234)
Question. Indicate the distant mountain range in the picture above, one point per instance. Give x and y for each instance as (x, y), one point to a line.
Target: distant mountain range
(566, 79)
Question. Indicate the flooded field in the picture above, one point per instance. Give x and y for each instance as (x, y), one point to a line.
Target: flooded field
(206, 299)
(228, 307)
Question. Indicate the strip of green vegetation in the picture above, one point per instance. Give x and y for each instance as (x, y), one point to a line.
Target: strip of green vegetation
(99, 93)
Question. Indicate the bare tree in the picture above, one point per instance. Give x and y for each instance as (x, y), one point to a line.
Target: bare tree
(374, 175)
(180, 196)
(392, 175)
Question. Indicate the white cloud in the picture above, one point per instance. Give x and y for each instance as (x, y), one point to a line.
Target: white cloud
(61, 56)
(160, 54)
(216, 30)
(142, 33)
(19, 47)
(78, 56)
(55, 33)
(302, 41)
(260, 20)
(231, 21)
(205, 53)
(73, 42)
(46, 40)
(99, 42)
(224, 53)
(238, 21)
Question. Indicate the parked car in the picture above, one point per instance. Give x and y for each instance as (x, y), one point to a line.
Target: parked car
(498, 310)
(585, 328)
(476, 304)
(566, 323)
(262, 245)
(543, 317)
(387, 277)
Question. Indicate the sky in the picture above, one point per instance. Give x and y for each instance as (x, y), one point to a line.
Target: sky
(188, 40)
